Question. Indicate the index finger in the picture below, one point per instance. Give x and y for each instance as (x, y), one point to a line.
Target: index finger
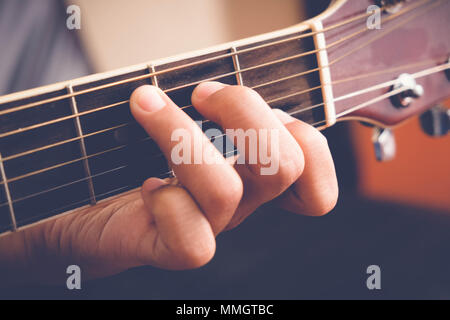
(212, 181)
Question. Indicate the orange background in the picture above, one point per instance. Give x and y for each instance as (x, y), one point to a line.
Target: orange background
(419, 175)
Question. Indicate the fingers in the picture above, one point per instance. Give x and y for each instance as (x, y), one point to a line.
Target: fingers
(185, 239)
(315, 193)
(214, 183)
(273, 157)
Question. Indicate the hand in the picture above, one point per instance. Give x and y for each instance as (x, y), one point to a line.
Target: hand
(170, 225)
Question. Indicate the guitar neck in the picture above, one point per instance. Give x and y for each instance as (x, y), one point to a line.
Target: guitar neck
(74, 144)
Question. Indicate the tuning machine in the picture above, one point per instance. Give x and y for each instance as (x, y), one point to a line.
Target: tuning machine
(436, 121)
(383, 140)
(412, 91)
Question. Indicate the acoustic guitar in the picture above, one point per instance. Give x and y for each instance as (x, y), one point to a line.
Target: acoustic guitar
(74, 144)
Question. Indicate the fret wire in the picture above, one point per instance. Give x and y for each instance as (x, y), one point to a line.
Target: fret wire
(237, 66)
(87, 169)
(305, 35)
(12, 216)
(151, 67)
(210, 79)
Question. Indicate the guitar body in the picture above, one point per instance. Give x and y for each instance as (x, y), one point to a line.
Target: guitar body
(75, 143)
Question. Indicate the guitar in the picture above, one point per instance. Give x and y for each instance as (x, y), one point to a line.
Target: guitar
(74, 144)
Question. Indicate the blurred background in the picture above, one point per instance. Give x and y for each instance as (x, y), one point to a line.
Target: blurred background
(395, 214)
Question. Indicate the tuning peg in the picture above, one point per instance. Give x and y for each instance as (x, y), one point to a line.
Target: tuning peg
(383, 140)
(436, 121)
(412, 91)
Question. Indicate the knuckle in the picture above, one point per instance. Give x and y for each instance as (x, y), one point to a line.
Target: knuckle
(162, 197)
(242, 93)
(288, 173)
(226, 197)
(196, 256)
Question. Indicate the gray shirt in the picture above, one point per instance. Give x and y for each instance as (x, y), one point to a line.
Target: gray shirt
(36, 48)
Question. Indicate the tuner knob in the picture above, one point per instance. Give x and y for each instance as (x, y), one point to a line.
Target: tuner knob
(412, 91)
(383, 140)
(436, 121)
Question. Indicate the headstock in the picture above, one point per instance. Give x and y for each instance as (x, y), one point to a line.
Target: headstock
(412, 38)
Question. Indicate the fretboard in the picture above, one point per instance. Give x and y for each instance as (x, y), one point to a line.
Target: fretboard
(59, 154)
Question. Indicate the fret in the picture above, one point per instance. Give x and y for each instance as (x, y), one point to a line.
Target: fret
(237, 66)
(151, 67)
(214, 68)
(155, 83)
(29, 201)
(124, 156)
(79, 129)
(284, 84)
(12, 215)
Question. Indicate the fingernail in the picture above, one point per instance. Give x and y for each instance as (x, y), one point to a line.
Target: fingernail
(149, 99)
(283, 116)
(206, 89)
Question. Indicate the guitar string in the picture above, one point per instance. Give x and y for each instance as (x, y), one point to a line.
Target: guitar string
(185, 107)
(417, 75)
(54, 99)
